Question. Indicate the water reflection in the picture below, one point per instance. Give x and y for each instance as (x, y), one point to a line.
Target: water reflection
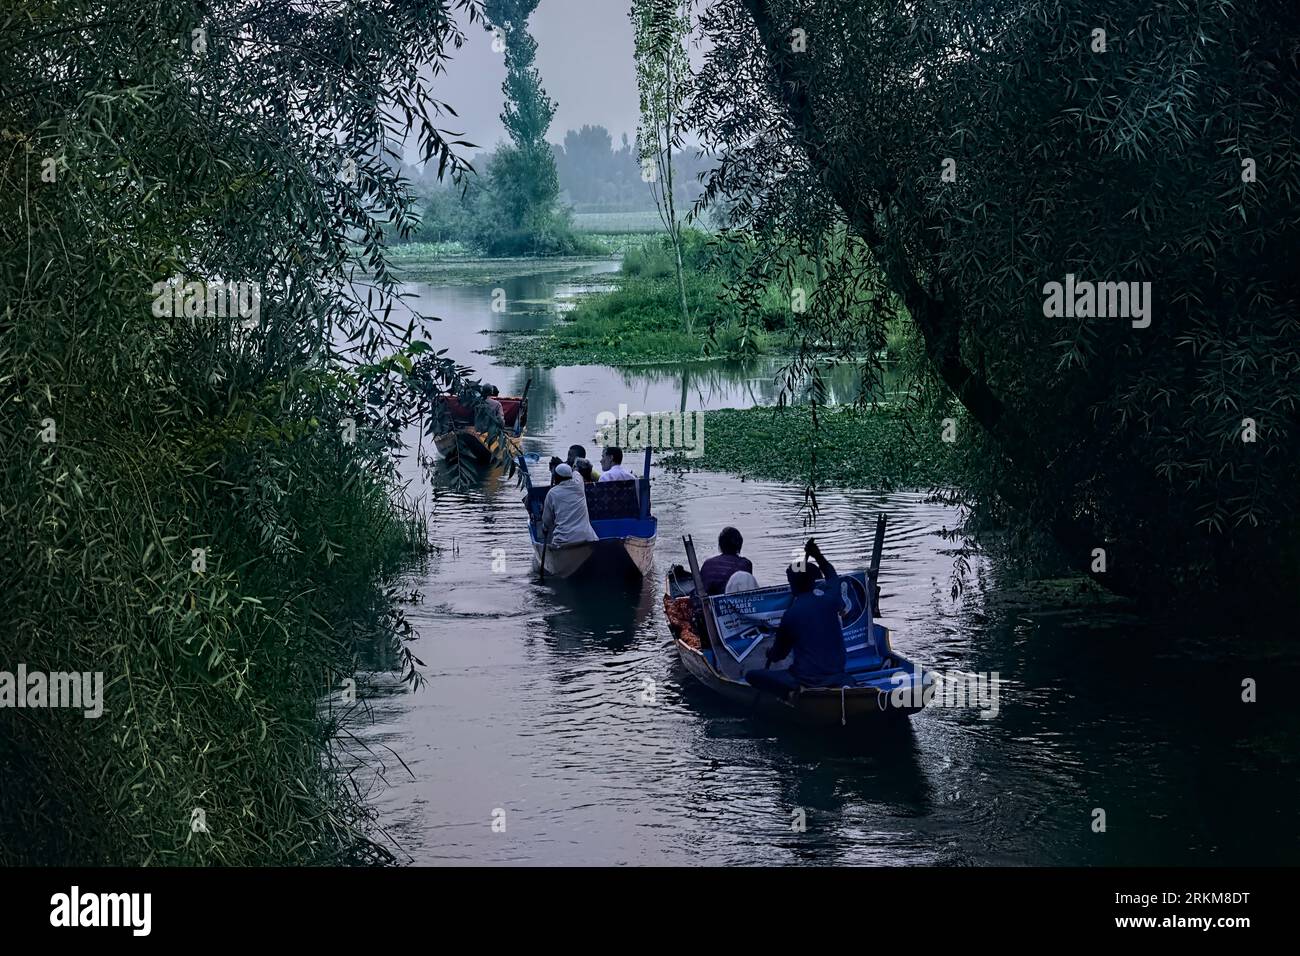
(570, 712)
(486, 312)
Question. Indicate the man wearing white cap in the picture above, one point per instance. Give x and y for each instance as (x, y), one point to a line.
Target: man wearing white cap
(564, 516)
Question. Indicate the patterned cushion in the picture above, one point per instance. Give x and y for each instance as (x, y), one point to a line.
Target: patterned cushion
(612, 499)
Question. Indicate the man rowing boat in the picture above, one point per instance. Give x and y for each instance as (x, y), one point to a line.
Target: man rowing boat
(810, 628)
(490, 410)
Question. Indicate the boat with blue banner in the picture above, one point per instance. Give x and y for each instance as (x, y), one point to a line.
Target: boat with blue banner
(722, 637)
(619, 512)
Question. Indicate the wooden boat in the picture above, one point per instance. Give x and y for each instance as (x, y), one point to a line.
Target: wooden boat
(470, 444)
(620, 515)
(465, 442)
(879, 683)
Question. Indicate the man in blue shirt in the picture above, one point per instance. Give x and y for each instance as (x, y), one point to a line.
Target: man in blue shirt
(810, 628)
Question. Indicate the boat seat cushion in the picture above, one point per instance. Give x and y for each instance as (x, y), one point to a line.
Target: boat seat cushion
(612, 499)
(605, 500)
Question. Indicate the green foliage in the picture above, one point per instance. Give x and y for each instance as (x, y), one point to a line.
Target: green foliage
(639, 322)
(656, 259)
(445, 216)
(423, 253)
(205, 161)
(508, 210)
(847, 448)
(515, 211)
(636, 324)
(1123, 165)
(528, 110)
(659, 31)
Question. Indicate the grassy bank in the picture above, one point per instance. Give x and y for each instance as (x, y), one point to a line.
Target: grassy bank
(644, 222)
(853, 448)
(640, 322)
(451, 263)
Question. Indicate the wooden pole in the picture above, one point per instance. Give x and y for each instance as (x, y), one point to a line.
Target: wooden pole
(521, 416)
(645, 486)
(876, 548)
(710, 625)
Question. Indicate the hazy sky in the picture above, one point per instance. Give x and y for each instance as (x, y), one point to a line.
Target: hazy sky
(584, 54)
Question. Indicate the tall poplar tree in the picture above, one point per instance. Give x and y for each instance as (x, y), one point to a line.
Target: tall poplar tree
(524, 183)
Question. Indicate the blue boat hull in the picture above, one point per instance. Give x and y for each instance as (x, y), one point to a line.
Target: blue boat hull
(816, 706)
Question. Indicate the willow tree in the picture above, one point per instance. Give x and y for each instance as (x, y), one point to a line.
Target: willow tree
(660, 29)
(195, 502)
(979, 153)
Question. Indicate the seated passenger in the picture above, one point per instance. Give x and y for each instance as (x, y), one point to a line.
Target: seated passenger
(583, 467)
(741, 581)
(490, 410)
(564, 516)
(717, 571)
(575, 452)
(810, 628)
(611, 466)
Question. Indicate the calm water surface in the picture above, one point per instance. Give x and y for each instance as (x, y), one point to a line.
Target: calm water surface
(570, 712)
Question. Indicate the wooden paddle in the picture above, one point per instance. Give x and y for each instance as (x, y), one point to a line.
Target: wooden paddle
(521, 417)
(546, 543)
(877, 546)
(710, 626)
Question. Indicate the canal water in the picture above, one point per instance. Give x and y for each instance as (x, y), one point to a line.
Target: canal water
(557, 727)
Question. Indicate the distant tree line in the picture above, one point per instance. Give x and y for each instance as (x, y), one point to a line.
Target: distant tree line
(597, 177)
(593, 176)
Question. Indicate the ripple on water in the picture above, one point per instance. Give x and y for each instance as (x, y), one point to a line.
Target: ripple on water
(570, 712)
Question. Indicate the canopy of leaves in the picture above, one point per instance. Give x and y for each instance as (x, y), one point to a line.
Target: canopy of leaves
(195, 142)
(1118, 161)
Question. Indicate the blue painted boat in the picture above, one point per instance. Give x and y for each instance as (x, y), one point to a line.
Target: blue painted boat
(724, 637)
(620, 515)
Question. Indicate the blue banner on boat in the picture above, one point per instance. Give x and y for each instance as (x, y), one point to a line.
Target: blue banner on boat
(745, 618)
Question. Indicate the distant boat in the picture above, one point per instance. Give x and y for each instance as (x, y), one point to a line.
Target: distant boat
(878, 682)
(466, 442)
(620, 516)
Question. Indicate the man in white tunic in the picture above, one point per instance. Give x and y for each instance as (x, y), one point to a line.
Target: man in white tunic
(564, 516)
